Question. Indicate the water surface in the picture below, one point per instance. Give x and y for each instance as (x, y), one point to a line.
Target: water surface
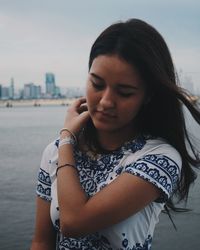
(24, 133)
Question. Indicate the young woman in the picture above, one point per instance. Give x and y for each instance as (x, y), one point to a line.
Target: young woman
(121, 156)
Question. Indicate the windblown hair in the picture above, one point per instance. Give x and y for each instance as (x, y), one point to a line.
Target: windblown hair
(139, 44)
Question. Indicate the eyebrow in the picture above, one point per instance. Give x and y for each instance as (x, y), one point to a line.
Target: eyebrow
(120, 85)
(96, 76)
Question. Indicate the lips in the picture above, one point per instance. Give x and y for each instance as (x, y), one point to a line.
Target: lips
(106, 114)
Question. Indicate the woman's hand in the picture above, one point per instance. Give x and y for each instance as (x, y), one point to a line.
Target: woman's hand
(77, 115)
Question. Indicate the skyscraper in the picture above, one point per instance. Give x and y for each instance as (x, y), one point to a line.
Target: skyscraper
(50, 84)
(32, 91)
(11, 89)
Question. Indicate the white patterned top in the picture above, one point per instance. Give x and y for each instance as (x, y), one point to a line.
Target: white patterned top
(154, 160)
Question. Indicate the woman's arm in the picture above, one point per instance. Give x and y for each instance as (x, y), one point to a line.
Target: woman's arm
(125, 196)
(44, 235)
(79, 215)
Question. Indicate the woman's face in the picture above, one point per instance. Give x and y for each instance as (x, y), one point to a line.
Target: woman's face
(115, 93)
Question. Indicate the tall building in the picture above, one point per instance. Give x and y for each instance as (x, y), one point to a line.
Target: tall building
(57, 91)
(5, 93)
(11, 89)
(31, 91)
(38, 91)
(50, 84)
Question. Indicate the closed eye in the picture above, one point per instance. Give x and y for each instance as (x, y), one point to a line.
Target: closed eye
(125, 94)
(97, 86)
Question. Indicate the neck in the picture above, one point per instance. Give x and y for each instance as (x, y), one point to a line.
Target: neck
(111, 140)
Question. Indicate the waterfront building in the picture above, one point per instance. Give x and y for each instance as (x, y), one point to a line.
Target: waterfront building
(57, 91)
(31, 91)
(50, 84)
(38, 91)
(11, 89)
(72, 92)
(4, 93)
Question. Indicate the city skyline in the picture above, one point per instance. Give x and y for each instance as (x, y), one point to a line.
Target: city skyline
(56, 36)
(49, 89)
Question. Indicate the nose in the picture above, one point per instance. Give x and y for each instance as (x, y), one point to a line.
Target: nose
(107, 99)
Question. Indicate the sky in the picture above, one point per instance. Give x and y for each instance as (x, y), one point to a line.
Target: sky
(39, 36)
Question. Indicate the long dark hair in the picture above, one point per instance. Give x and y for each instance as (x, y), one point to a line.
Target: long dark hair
(141, 45)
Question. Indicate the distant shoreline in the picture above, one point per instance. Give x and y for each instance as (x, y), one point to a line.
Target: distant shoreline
(53, 102)
(36, 102)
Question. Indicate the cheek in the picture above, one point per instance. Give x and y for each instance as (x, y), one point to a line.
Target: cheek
(88, 93)
(132, 108)
(91, 98)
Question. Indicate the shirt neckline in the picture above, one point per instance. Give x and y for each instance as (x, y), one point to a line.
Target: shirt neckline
(128, 146)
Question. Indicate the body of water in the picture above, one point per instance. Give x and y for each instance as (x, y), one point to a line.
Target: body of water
(24, 133)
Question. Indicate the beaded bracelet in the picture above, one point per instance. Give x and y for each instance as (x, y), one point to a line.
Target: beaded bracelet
(72, 134)
(67, 140)
(65, 165)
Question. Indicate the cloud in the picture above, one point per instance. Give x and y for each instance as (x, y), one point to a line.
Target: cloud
(39, 36)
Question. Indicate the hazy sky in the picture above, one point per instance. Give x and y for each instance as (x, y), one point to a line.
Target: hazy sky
(39, 36)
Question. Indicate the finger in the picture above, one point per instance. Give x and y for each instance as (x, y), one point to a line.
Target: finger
(79, 101)
(84, 116)
(82, 108)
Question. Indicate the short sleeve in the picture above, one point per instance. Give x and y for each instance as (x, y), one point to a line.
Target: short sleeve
(43, 188)
(160, 170)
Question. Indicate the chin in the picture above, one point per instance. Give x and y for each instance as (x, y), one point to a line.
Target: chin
(105, 127)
